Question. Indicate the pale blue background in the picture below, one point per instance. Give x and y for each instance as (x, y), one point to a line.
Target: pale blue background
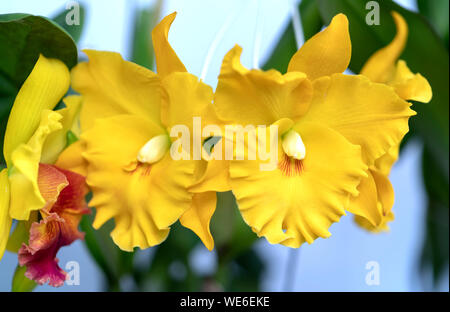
(334, 264)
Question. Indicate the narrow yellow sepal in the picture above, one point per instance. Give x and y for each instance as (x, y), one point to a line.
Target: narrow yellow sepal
(23, 171)
(43, 89)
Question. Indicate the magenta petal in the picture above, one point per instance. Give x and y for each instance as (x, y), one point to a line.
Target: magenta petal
(40, 256)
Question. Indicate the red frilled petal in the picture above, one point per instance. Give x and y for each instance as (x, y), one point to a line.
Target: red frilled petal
(40, 255)
(71, 199)
(59, 226)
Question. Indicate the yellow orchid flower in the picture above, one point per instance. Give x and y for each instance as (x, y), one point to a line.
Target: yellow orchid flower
(331, 128)
(30, 123)
(374, 210)
(128, 117)
(35, 136)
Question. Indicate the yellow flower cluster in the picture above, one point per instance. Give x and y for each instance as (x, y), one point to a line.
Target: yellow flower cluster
(337, 138)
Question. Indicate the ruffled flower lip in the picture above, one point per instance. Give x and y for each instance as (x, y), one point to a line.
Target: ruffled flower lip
(58, 227)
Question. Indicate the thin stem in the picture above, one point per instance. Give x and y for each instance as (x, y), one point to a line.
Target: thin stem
(258, 36)
(291, 269)
(215, 43)
(296, 23)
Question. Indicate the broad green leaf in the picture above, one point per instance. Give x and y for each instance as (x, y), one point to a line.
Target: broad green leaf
(23, 37)
(71, 28)
(21, 283)
(436, 11)
(6, 87)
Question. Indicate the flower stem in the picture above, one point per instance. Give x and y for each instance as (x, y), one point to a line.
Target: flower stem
(291, 269)
(296, 23)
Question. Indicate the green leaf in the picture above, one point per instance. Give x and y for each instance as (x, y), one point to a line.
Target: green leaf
(6, 87)
(20, 283)
(145, 20)
(102, 249)
(232, 236)
(310, 17)
(174, 251)
(223, 219)
(284, 50)
(74, 30)
(71, 137)
(435, 253)
(436, 11)
(24, 37)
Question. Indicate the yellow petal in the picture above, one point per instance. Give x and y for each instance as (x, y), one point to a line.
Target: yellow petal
(326, 53)
(198, 217)
(365, 204)
(383, 227)
(299, 200)
(167, 60)
(367, 114)
(385, 192)
(43, 89)
(23, 172)
(214, 176)
(376, 213)
(71, 158)
(143, 199)
(183, 97)
(112, 86)
(380, 66)
(410, 86)
(57, 141)
(259, 98)
(5, 219)
(385, 162)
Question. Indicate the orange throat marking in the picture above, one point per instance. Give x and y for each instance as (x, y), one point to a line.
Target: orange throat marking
(290, 166)
(136, 167)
